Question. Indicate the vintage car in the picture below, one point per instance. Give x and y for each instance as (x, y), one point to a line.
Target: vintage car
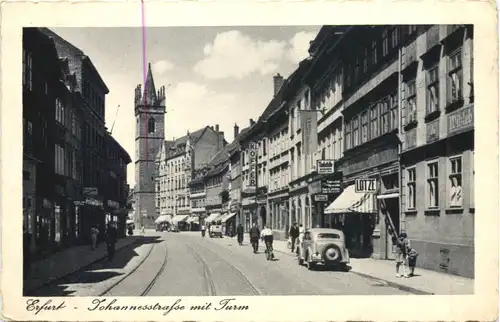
(215, 230)
(323, 246)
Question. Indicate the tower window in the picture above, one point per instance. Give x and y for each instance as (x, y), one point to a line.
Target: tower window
(151, 125)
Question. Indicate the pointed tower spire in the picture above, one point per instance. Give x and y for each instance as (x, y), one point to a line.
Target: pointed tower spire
(149, 88)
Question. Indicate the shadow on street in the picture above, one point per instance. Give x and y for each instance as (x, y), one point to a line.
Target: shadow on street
(94, 273)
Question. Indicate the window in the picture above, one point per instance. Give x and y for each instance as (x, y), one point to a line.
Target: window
(364, 127)
(348, 142)
(28, 70)
(394, 38)
(393, 100)
(59, 159)
(374, 52)
(355, 131)
(433, 185)
(433, 89)
(385, 43)
(356, 70)
(151, 125)
(455, 84)
(411, 102)
(59, 111)
(455, 182)
(373, 122)
(411, 189)
(365, 61)
(384, 116)
(412, 29)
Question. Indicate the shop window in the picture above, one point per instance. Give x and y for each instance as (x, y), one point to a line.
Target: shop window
(432, 90)
(433, 184)
(411, 188)
(455, 78)
(455, 194)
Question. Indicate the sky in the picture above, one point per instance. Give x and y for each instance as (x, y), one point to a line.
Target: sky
(212, 75)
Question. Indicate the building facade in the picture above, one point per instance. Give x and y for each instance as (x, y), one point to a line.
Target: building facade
(438, 146)
(149, 138)
(177, 162)
(117, 188)
(39, 80)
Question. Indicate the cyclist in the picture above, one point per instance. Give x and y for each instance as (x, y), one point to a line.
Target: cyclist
(267, 236)
(254, 237)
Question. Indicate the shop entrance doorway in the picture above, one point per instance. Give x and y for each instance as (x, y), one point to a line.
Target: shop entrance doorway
(390, 208)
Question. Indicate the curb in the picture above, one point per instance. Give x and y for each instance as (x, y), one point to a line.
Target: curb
(55, 278)
(399, 286)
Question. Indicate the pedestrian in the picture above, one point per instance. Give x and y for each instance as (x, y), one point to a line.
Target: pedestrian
(231, 231)
(240, 231)
(94, 232)
(254, 237)
(412, 260)
(111, 235)
(402, 246)
(143, 230)
(294, 234)
(267, 237)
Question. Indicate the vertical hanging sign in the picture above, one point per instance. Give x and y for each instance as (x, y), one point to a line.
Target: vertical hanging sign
(252, 163)
(309, 125)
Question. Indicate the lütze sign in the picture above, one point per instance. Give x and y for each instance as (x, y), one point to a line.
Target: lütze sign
(365, 185)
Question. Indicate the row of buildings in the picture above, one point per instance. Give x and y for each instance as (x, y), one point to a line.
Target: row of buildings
(74, 171)
(372, 134)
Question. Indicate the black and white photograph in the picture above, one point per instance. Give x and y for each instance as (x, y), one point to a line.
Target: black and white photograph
(285, 160)
(229, 162)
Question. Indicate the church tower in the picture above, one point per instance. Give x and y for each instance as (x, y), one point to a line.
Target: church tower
(149, 136)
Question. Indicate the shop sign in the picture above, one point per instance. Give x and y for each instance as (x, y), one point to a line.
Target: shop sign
(79, 203)
(321, 198)
(252, 164)
(248, 201)
(93, 202)
(90, 191)
(411, 139)
(432, 132)
(325, 166)
(113, 204)
(461, 120)
(365, 185)
(332, 184)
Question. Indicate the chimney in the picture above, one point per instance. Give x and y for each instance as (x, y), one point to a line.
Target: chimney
(217, 128)
(278, 82)
(236, 130)
(252, 122)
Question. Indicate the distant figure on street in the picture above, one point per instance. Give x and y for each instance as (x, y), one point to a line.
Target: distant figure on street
(111, 236)
(143, 231)
(240, 231)
(267, 237)
(94, 233)
(403, 245)
(254, 237)
(294, 234)
(231, 231)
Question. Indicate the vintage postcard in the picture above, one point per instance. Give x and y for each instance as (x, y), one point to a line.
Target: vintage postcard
(275, 161)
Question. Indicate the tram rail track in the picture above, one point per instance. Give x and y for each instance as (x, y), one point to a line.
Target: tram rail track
(141, 263)
(253, 288)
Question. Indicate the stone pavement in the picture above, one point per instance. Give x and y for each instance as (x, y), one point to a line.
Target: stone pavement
(68, 261)
(424, 282)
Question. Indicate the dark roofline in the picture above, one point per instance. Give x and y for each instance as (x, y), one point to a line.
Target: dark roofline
(96, 73)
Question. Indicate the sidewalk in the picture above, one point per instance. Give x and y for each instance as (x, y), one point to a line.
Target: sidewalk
(425, 281)
(68, 261)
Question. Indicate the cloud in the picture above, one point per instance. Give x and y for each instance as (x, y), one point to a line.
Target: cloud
(235, 55)
(299, 46)
(161, 66)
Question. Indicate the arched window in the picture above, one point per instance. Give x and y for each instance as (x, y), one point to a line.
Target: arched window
(151, 125)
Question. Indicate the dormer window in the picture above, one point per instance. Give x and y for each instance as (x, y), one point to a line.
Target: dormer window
(151, 125)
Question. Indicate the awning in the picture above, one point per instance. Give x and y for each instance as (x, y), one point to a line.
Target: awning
(193, 220)
(179, 218)
(163, 218)
(350, 201)
(388, 196)
(130, 221)
(228, 216)
(212, 217)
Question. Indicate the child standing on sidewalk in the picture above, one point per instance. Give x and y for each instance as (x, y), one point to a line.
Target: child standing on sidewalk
(402, 244)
